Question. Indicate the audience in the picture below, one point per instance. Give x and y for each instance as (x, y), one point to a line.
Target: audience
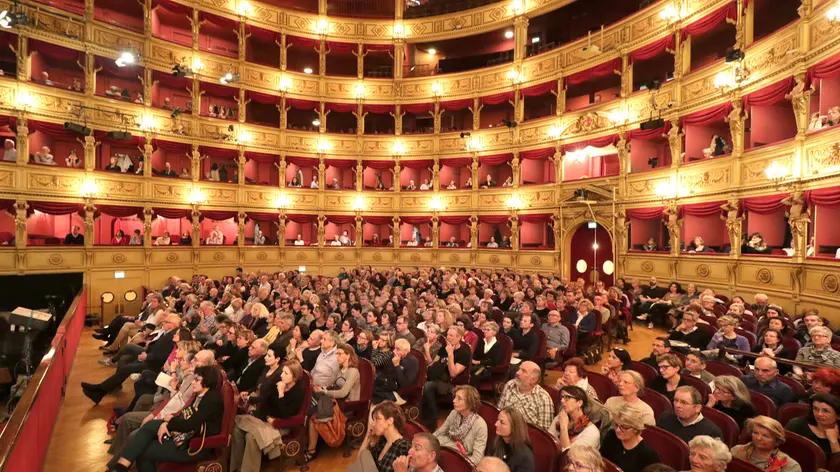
(708, 454)
(731, 396)
(686, 421)
(820, 424)
(624, 446)
(572, 425)
(763, 379)
(513, 444)
(385, 441)
(630, 383)
(695, 366)
(464, 429)
(669, 379)
(525, 395)
(448, 364)
(766, 435)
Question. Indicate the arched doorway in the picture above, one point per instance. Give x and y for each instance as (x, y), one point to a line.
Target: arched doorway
(591, 254)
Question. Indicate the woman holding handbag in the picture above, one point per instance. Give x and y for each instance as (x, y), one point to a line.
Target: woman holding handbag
(168, 440)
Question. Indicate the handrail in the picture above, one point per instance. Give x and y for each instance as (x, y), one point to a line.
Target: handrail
(779, 360)
(10, 433)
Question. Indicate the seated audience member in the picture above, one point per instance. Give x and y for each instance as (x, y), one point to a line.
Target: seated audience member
(617, 361)
(399, 371)
(732, 397)
(660, 346)
(426, 185)
(452, 242)
(526, 395)
(526, 342)
(411, 186)
(512, 443)
(669, 379)
(364, 344)
(689, 333)
(492, 244)
(820, 424)
(708, 454)
(75, 237)
(646, 298)
(825, 380)
(468, 183)
(384, 441)
(674, 297)
(280, 396)
(299, 241)
(488, 182)
(326, 370)
(166, 172)
(119, 239)
(163, 240)
(248, 378)
(818, 352)
(556, 335)
(771, 346)
(575, 374)
(763, 379)
(624, 445)
(185, 173)
(812, 319)
(307, 353)
(216, 237)
(449, 362)
(422, 457)
(165, 440)
(112, 166)
(487, 353)
(698, 246)
(755, 245)
(650, 246)
(585, 318)
(686, 421)
(728, 338)
(492, 464)
(572, 425)
(451, 186)
(72, 160)
(766, 435)
(136, 239)
(464, 429)
(695, 366)
(9, 151)
(629, 385)
(45, 157)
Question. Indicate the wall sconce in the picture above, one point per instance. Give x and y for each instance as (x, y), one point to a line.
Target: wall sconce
(127, 58)
(517, 7)
(436, 89)
(359, 203)
(147, 122)
(666, 190)
(244, 8)
(197, 197)
(399, 149)
(673, 12)
(399, 31)
(833, 13)
(243, 137)
(554, 132)
(618, 116)
(323, 146)
(197, 65)
(436, 204)
(282, 201)
(359, 90)
(89, 189)
(230, 77)
(776, 173)
(474, 144)
(322, 27)
(514, 203)
(285, 84)
(24, 100)
(515, 76)
(725, 81)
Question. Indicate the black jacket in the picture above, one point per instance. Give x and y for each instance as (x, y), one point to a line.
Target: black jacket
(407, 371)
(209, 412)
(158, 351)
(249, 377)
(492, 357)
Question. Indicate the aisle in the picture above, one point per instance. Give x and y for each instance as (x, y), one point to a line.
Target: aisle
(77, 442)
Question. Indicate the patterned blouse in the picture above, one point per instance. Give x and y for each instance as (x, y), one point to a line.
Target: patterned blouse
(398, 448)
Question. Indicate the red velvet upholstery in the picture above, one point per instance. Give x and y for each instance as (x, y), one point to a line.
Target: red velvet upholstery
(610, 467)
(763, 404)
(792, 345)
(701, 386)
(571, 349)
(411, 428)
(738, 465)
(727, 425)
(790, 411)
(604, 387)
(489, 413)
(798, 389)
(296, 439)
(672, 450)
(657, 401)
(541, 356)
(721, 368)
(803, 450)
(545, 448)
(499, 373)
(413, 394)
(646, 371)
(451, 460)
(357, 412)
(749, 326)
(751, 337)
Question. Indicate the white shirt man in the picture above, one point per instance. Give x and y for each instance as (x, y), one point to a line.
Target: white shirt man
(451, 186)
(10, 153)
(314, 184)
(299, 241)
(425, 185)
(335, 242)
(492, 244)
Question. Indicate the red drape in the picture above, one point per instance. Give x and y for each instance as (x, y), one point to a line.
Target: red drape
(417, 108)
(493, 219)
(263, 98)
(302, 42)
(652, 50)
(172, 213)
(417, 164)
(218, 90)
(537, 218)
(219, 21)
(220, 153)
(645, 213)
(260, 156)
(8, 206)
(263, 34)
(302, 161)
(340, 163)
(537, 154)
(416, 220)
(169, 146)
(341, 219)
(378, 109)
(379, 47)
(598, 71)
(710, 21)
(302, 219)
(603, 141)
(53, 51)
(496, 159)
(455, 220)
(111, 67)
(7, 38)
(769, 95)
(539, 89)
(377, 220)
(497, 99)
(341, 48)
(220, 215)
(828, 197)
(261, 216)
(102, 136)
(456, 162)
(55, 130)
(54, 208)
(340, 107)
(647, 134)
(9, 121)
(167, 80)
(708, 116)
(763, 205)
(455, 105)
(379, 165)
(701, 209)
(826, 69)
(173, 7)
(119, 211)
(300, 104)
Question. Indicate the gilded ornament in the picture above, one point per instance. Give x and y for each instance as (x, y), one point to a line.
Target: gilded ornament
(647, 267)
(339, 256)
(301, 256)
(55, 259)
(415, 257)
(262, 256)
(831, 283)
(536, 261)
(218, 256)
(377, 257)
(171, 257)
(118, 258)
(453, 258)
(494, 259)
(703, 270)
(764, 275)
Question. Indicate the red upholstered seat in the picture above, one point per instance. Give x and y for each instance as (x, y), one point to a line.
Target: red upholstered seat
(701, 386)
(803, 450)
(672, 450)
(792, 345)
(357, 412)
(489, 413)
(571, 349)
(544, 446)
(721, 368)
(541, 356)
(834, 462)
(555, 397)
(658, 402)
(763, 404)
(453, 461)
(417, 332)
(790, 411)
(413, 394)
(610, 467)
(411, 428)
(499, 374)
(751, 337)
(604, 387)
(738, 465)
(727, 425)
(798, 389)
(297, 438)
(646, 371)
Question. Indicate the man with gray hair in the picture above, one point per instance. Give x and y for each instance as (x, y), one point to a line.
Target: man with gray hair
(246, 381)
(9, 153)
(687, 421)
(525, 395)
(327, 368)
(422, 457)
(207, 325)
(492, 464)
(763, 379)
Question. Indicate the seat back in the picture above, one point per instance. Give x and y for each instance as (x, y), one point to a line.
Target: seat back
(506, 345)
(489, 413)
(721, 368)
(412, 393)
(751, 337)
(798, 389)
(790, 411)
(749, 326)
(646, 371)
(739, 465)
(417, 332)
(763, 404)
(698, 384)
(792, 345)
(366, 376)
(803, 450)
(610, 467)
(727, 425)
(451, 460)
(571, 349)
(672, 450)
(540, 357)
(544, 447)
(658, 402)
(604, 387)
(229, 395)
(411, 428)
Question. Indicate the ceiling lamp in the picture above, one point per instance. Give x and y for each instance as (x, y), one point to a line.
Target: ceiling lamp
(285, 84)
(432, 51)
(509, 34)
(833, 13)
(399, 30)
(436, 89)
(230, 77)
(307, 70)
(127, 58)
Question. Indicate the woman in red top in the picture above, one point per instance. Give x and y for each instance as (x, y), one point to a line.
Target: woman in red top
(119, 239)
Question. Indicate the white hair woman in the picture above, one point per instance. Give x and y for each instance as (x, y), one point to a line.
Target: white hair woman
(630, 383)
(584, 458)
(708, 454)
(763, 451)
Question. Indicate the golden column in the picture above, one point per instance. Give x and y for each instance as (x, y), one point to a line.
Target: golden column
(89, 145)
(90, 223)
(20, 223)
(22, 140)
(675, 142)
(800, 100)
(195, 219)
(284, 51)
(516, 169)
(474, 171)
(435, 231)
(23, 58)
(240, 229)
(241, 161)
(560, 104)
(360, 118)
(360, 54)
(360, 235)
(322, 117)
(736, 120)
(398, 117)
(281, 168)
(397, 183)
(195, 163)
(360, 174)
(322, 226)
(476, 111)
(281, 228)
(148, 216)
(436, 175)
(474, 231)
(395, 230)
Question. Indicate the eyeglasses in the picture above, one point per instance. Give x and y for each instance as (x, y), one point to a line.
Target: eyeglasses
(664, 366)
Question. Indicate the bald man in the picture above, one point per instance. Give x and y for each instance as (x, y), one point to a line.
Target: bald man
(492, 464)
(526, 395)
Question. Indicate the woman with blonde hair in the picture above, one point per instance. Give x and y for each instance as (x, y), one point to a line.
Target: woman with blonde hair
(624, 446)
(630, 383)
(464, 429)
(708, 454)
(732, 397)
(444, 319)
(763, 451)
(585, 458)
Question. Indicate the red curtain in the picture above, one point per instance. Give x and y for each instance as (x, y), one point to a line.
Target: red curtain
(497, 99)
(345, 48)
(302, 161)
(763, 205)
(261, 216)
(455, 220)
(455, 105)
(220, 153)
(172, 213)
(9, 121)
(537, 154)
(301, 42)
(340, 107)
(378, 109)
(496, 159)
(263, 98)
(55, 52)
(218, 90)
(8, 206)
(7, 38)
(220, 215)
(54, 208)
(300, 104)
(652, 50)
(457, 162)
(340, 163)
(379, 47)
(701, 209)
(377, 220)
(603, 141)
(111, 67)
(538, 218)
(769, 95)
(493, 219)
(167, 80)
(173, 7)
(418, 108)
(826, 69)
(219, 21)
(828, 197)
(598, 71)
(416, 220)
(102, 136)
(418, 164)
(169, 146)
(379, 165)
(708, 116)
(539, 89)
(648, 134)
(302, 219)
(645, 213)
(341, 219)
(264, 34)
(260, 156)
(710, 21)
(55, 130)
(119, 211)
